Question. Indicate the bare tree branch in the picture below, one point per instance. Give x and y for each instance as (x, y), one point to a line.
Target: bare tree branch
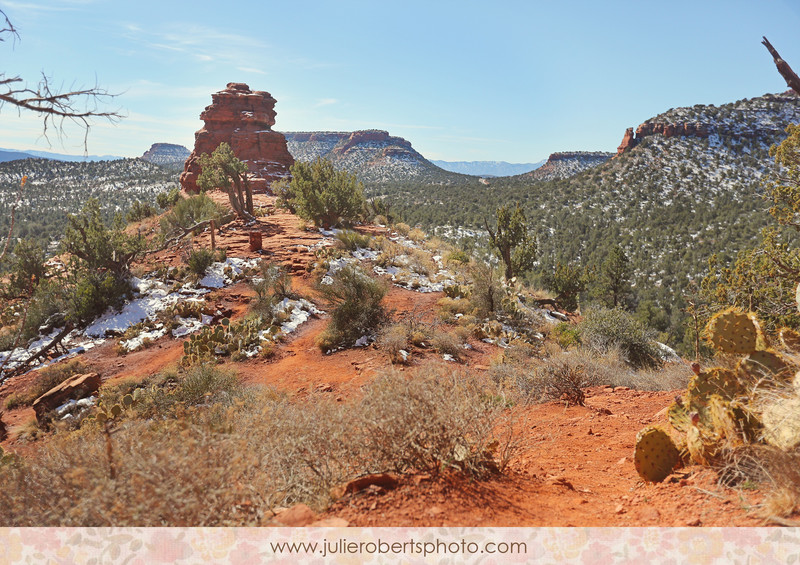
(791, 78)
(77, 105)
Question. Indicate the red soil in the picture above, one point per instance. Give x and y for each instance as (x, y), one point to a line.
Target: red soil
(576, 469)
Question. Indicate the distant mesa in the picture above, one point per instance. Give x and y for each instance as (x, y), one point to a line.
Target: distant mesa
(243, 118)
(373, 155)
(564, 164)
(167, 155)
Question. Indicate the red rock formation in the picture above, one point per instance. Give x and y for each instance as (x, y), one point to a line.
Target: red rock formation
(672, 130)
(627, 142)
(75, 387)
(243, 118)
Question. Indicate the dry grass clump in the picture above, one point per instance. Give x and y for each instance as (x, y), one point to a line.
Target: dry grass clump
(394, 339)
(417, 235)
(421, 262)
(449, 308)
(226, 463)
(356, 310)
(449, 342)
(402, 228)
(562, 375)
(752, 465)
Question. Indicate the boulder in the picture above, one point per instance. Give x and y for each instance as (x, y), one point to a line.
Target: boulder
(74, 388)
(243, 118)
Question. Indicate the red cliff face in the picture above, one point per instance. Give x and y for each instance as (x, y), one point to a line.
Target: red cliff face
(627, 142)
(692, 129)
(242, 118)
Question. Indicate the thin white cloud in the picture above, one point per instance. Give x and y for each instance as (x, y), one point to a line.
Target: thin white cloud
(251, 70)
(199, 42)
(325, 102)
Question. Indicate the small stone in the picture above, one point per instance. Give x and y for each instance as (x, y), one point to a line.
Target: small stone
(297, 516)
(694, 523)
(619, 509)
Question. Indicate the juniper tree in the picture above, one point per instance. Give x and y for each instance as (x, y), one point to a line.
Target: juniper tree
(223, 170)
(511, 240)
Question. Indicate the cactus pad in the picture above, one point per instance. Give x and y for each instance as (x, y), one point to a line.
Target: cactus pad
(734, 332)
(655, 454)
(678, 416)
(761, 364)
(782, 423)
(718, 381)
(790, 339)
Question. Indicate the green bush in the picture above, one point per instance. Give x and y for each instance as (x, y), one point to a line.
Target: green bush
(190, 211)
(351, 240)
(92, 293)
(205, 383)
(272, 284)
(139, 211)
(27, 266)
(200, 260)
(603, 329)
(323, 195)
(168, 199)
(355, 298)
(566, 335)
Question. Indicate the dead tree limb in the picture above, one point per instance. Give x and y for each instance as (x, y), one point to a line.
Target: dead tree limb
(22, 367)
(791, 78)
(185, 231)
(78, 105)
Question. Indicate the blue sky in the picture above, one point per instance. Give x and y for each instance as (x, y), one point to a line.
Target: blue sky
(512, 81)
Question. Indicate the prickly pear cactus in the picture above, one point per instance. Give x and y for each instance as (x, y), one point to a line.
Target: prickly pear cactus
(735, 332)
(766, 364)
(782, 423)
(790, 340)
(655, 454)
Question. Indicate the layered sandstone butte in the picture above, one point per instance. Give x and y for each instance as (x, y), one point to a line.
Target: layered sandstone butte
(243, 118)
(166, 154)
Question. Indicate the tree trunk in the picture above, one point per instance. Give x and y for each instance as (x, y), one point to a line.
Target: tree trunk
(791, 78)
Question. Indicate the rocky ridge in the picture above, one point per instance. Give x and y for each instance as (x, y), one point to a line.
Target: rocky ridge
(759, 118)
(243, 118)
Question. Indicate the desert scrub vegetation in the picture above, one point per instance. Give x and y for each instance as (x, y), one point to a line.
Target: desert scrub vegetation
(230, 459)
(187, 212)
(351, 240)
(536, 373)
(356, 308)
(199, 260)
(605, 328)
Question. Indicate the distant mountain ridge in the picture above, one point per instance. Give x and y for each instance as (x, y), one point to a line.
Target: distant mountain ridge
(487, 168)
(34, 153)
(6, 156)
